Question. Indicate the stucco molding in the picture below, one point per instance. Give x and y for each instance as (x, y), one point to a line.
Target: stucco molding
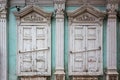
(81, 2)
(86, 13)
(3, 11)
(59, 6)
(3, 40)
(32, 8)
(112, 8)
(33, 14)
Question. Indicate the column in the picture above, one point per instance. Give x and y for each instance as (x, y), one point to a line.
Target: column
(3, 43)
(111, 73)
(59, 8)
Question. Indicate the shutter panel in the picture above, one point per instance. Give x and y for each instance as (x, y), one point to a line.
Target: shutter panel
(77, 55)
(41, 44)
(92, 49)
(26, 45)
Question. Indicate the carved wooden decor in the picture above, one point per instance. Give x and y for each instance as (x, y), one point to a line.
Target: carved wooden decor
(33, 78)
(113, 77)
(86, 13)
(34, 42)
(85, 78)
(33, 17)
(85, 42)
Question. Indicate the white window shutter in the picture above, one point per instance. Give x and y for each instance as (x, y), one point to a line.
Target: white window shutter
(34, 53)
(85, 50)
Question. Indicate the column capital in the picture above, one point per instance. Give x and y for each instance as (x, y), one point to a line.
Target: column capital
(3, 8)
(59, 6)
(112, 7)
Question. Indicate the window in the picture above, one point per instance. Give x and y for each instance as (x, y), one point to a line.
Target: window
(34, 42)
(85, 41)
(85, 50)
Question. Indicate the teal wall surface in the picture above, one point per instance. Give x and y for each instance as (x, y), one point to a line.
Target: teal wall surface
(118, 46)
(12, 47)
(12, 42)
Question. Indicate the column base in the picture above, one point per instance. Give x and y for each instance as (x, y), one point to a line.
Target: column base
(111, 74)
(60, 74)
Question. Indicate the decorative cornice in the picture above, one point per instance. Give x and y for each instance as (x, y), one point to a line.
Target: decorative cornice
(30, 2)
(81, 2)
(51, 2)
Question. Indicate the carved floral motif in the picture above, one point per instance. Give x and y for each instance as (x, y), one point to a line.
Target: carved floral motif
(112, 6)
(33, 17)
(86, 17)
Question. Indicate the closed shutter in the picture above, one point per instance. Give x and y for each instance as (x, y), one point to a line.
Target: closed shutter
(85, 50)
(34, 53)
(93, 49)
(26, 44)
(78, 49)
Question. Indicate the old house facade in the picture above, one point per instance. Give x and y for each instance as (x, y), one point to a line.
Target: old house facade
(59, 39)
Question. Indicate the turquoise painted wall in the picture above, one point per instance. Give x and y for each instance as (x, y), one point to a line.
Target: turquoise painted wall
(12, 40)
(12, 47)
(118, 46)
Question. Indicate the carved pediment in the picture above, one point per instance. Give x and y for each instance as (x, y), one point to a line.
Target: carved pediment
(33, 14)
(33, 17)
(85, 17)
(86, 13)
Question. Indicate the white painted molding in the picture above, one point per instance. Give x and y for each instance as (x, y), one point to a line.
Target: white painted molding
(3, 43)
(91, 15)
(59, 8)
(111, 41)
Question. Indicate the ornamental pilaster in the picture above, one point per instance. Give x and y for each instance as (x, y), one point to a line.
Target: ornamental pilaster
(111, 73)
(59, 11)
(3, 41)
